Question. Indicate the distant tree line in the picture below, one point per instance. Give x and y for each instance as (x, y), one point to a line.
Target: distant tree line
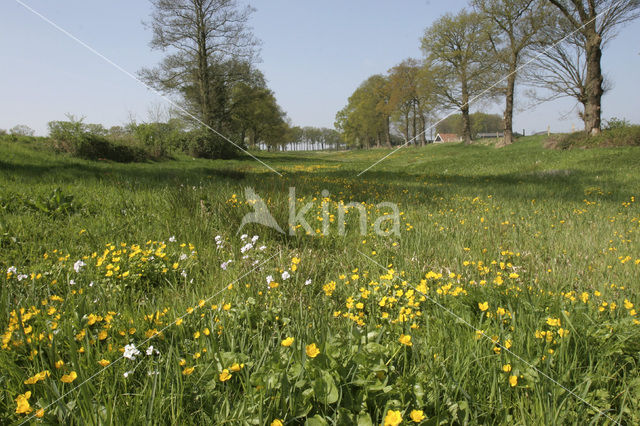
(480, 55)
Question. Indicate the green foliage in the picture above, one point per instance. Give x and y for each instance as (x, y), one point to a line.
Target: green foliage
(617, 123)
(621, 134)
(78, 139)
(480, 123)
(54, 205)
(206, 144)
(158, 138)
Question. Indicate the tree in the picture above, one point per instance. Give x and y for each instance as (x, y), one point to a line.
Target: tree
(198, 33)
(594, 23)
(518, 24)
(411, 97)
(459, 48)
(365, 120)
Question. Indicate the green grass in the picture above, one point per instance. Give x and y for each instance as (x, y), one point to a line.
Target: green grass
(539, 235)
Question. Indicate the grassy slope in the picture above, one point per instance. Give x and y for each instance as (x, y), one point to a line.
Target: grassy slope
(562, 215)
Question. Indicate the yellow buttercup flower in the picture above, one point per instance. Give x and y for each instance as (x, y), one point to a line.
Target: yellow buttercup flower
(187, 371)
(483, 306)
(513, 380)
(277, 422)
(40, 413)
(68, 378)
(393, 418)
(22, 403)
(225, 375)
(287, 342)
(104, 362)
(38, 377)
(405, 339)
(236, 367)
(59, 363)
(506, 368)
(312, 350)
(417, 416)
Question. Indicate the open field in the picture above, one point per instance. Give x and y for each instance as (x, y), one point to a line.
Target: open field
(510, 295)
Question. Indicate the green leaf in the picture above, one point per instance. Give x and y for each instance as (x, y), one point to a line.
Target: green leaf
(316, 421)
(325, 388)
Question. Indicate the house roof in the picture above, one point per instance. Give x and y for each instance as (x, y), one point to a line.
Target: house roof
(448, 137)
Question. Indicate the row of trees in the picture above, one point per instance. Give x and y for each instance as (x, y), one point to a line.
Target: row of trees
(480, 55)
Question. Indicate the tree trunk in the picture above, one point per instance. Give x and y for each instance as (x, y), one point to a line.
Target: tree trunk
(508, 111)
(406, 127)
(387, 133)
(464, 109)
(593, 107)
(414, 119)
(204, 82)
(423, 130)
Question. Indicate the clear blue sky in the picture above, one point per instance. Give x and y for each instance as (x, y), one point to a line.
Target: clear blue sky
(314, 54)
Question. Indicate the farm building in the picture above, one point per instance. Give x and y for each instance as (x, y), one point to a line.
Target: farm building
(447, 137)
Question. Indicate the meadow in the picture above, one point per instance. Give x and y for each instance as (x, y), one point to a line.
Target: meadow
(509, 296)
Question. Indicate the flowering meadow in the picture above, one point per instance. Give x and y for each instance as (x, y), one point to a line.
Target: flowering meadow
(508, 295)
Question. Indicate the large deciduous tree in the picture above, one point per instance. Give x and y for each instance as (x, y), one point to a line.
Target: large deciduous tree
(518, 25)
(411, 98)
(593, 22)
(196, 34)
(459, 48)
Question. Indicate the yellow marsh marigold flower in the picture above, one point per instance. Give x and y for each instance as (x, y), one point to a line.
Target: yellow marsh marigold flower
(277, 422)
(393, 418)
(483, 306)
(225, 375)
(104, 362)
(554, 322)
(68, 378)
(312, 350)
(287, 342)
(513, 380)
(38, 377)
(417, 416)
(22, 403)
(187, 371)
(405, 340)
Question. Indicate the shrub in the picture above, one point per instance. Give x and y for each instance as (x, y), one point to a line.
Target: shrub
(22, 130)
(625, 135)
(617, 123)
(205, 144)
(77, 138)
